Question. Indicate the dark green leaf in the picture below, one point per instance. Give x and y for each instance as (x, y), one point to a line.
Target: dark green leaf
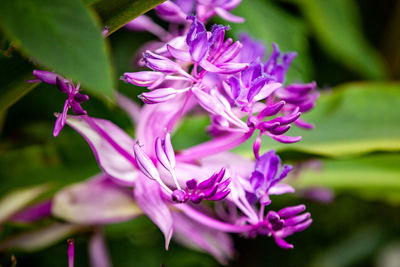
(15, 72)
(116, 14)
(63, 36)
(336, 26)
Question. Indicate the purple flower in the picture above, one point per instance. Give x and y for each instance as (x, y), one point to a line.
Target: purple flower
(252, 50)
(267, 173)
(214, 188)
(208, 49)
(171, 12)
(242, 215)
(265, 180)
(209, 8)
(251, 86)
(301, 96)
(171, 180)
(73, 101)
(162, 64)
(46, 77)
(197, 40)
(190, 68)
(217, 105)
(277, 64)
(286, 222)
(248, 89)
(210, 54)
(213, 53)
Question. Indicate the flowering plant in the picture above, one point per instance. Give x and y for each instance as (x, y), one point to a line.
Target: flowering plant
(243, 95)
(209, 106)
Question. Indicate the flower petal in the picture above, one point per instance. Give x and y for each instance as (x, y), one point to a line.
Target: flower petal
(266, 91)
(171, 12)
(96, 201)
(208, 66)
(145, 164)
(159, 95)
(61, 119)
(285, 139)
(228, 16)
(179, 53)
(144, 78)
(281, 188)
(112, 147)
(199, 47)
(231, 67)
(197, 236)
(47, 76)
(98, 252)
(148, 196)
(231, 52)
(33, 213)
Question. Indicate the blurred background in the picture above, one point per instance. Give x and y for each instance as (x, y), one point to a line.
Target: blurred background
(348, 166)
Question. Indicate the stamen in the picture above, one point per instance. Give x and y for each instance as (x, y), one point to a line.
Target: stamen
(71, 253)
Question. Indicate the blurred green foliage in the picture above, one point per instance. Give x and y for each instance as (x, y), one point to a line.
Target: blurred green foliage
(46, 30)
(356, 140)
(336, 25)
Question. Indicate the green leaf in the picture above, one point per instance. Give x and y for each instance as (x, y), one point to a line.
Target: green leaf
(270, 24)
(351, 119)
(63, 36)
(336, 25)
(19, 70)
(115, 14)
(372, 177)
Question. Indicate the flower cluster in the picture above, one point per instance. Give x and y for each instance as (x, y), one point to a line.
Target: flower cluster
(244, 95)
(73, 101)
